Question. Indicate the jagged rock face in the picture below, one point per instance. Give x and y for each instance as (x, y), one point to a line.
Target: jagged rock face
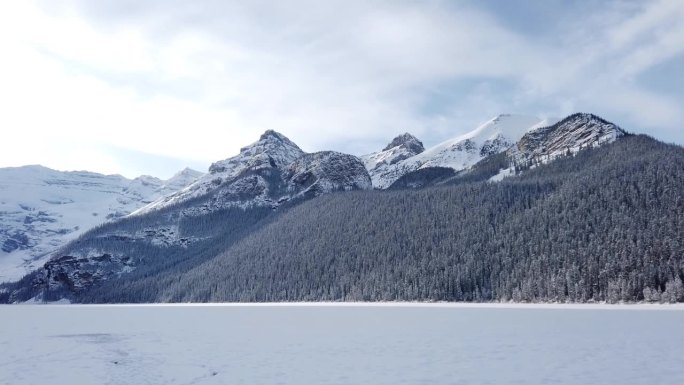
(308, 176)
(163, 236)
(408, 141)
(327, 171)
(43, 209)
(256, 162)
(78, 273)
(271, 150)
(267, 173)
(572, 134)
(253, 188)
(85, 266)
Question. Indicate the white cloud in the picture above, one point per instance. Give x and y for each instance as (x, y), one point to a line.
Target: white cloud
(199, 80)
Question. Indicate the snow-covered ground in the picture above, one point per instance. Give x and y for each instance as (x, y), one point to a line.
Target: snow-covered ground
(348, 344)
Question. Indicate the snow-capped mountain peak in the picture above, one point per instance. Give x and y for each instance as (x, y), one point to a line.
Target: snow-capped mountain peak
(407, 141)
(382, 165)
(183, 178)
(459, 153)
(489, 138)
(272, 150)
(275, 135)
(575, 132)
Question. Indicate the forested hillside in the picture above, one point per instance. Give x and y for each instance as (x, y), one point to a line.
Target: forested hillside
(606, 224)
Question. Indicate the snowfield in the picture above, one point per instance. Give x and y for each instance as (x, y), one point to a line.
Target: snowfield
(43, 209)
(341, 344)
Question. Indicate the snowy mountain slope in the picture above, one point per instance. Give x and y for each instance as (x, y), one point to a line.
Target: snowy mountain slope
(547, 142)
(180, 180)
(384, 165)
(272, 150)
(41, 209)
(567, 136)
(265, 175)
(402, 147)
(267, 186)
(492, 137)
(268, 172)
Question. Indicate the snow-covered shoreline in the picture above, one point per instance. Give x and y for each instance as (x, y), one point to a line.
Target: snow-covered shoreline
(341, 343)
(455, 305)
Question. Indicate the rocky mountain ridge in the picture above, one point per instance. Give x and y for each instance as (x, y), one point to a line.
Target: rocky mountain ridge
(268, 172)
(525, 141)
(494, 136)
(566, 137)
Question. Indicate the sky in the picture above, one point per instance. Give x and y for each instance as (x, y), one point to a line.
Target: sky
(137, 87)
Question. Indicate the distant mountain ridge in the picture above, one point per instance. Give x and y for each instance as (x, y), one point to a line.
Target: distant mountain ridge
(42, 209)
(272, 150)
(268, 172)
(494, 136)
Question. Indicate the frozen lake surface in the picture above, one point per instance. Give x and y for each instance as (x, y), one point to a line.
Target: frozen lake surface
(311, 344)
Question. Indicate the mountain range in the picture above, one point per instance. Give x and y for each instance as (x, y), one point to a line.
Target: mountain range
(43, 209)
(517, 209)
